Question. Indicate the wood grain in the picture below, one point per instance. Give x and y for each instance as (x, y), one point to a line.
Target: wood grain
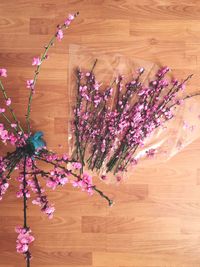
(155, 221)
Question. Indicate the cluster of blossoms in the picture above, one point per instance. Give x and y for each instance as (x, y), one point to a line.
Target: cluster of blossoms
(25, 159)
(23, 240)
(29, 150)
(85, 183)
(111, 123)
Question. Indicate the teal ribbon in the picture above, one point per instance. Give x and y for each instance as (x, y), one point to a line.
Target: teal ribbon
(36, 140)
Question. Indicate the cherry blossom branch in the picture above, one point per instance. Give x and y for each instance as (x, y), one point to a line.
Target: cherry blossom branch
(93, 187)
(39, 61)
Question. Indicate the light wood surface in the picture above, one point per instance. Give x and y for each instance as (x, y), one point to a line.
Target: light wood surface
(155, 221)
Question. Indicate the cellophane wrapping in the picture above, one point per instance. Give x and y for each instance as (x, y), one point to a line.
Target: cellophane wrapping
(168, 139)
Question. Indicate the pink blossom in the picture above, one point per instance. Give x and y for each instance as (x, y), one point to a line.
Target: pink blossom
(85, 183)
(13, 139)
(3, 134)
(13, 125)
(65, 157)
(140, 70)
(59, 35)
(151, 152)
(3, 73)
(49, 210)
(3, 188)
(23, 240)
(20, 194)
(67, 22)
(30, 84)
(51, 184)
(8, 102)
(2, 110)
(63, 180)
(77, 165)
(36, 61)
(162, 71)
(182, 86)
(71, 17)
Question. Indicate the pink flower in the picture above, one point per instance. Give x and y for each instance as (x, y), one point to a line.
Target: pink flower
(30, 84)
(77, 165)
(51, 184)
(182, 86)
(8, 102)
(162, 71)
(49, 210)
(65, 157)
(36, 61)
(63, 181)
(2, 110)
(59, 35)
(23, 240)
(3, 73)
(71, 17)
(140, 70)
(67, 22)
(13, 125)
(85, 183)
(3, 188)
(151, 152)
(3, 134)
(20, 193)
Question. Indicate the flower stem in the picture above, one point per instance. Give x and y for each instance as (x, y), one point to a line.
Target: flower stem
(7, 119)
(24, 194)
(10, 109)
(27, 254)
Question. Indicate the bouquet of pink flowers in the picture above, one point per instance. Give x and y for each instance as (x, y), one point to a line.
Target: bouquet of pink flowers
(112, 122)
(29, 150)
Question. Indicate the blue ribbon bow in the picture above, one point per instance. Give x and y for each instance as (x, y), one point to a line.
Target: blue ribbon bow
(36, 140)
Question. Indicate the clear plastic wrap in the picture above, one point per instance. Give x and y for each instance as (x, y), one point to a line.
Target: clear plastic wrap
(164, 142)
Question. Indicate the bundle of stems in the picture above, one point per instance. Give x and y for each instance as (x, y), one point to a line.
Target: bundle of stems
(108, 136)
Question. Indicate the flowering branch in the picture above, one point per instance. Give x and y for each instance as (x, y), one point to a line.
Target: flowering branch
(27, 253)
(82, 180)
(39, 61)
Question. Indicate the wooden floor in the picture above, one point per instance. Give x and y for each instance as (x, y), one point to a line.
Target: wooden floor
(155, 221)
